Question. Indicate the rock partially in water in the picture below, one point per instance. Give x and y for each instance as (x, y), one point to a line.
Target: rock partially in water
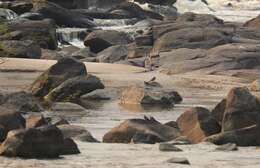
(242, 110)
(169, 147)
(42, 142)
(76, 132)
(20, 49)
(63, 70)
(73, 88)
(10, 120)
(140, 130)
(219, 59)
(149, 96)
(99, 40)
(198, 123)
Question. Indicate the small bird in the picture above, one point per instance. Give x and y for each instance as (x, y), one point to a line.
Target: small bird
(153, 79)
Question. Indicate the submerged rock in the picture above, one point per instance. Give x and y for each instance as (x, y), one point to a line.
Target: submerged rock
(198, 123)
(141, 131)
(43, 142)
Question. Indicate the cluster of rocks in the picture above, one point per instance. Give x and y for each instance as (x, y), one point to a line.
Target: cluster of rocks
(175, 43)
(32, 137)
(235, 120)
(25, 132)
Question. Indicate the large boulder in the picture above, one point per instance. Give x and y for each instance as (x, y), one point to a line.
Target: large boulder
(149, 96)
(73, 88)
(62, 16)
(63, 70)
(198, 123)
(136, 130)
(101, 39)
(192, 37)
(20, 49)
(242, 110)
(216, 60)
(42, 32)
(42, 142)
(113, 54)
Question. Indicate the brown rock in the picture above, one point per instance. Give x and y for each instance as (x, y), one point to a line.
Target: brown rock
(150, 129)
(198, 123)
(242, 110)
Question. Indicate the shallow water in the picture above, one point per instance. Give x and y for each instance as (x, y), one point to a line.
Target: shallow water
(105, 115)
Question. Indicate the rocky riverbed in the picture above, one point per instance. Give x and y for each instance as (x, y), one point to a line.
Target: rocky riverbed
(96, 83)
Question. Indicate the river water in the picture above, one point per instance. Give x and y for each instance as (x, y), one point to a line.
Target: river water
(102, 116)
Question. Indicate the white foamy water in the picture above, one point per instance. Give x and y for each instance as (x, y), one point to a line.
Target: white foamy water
(8, 14)
(228, 10)
(72, 36)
